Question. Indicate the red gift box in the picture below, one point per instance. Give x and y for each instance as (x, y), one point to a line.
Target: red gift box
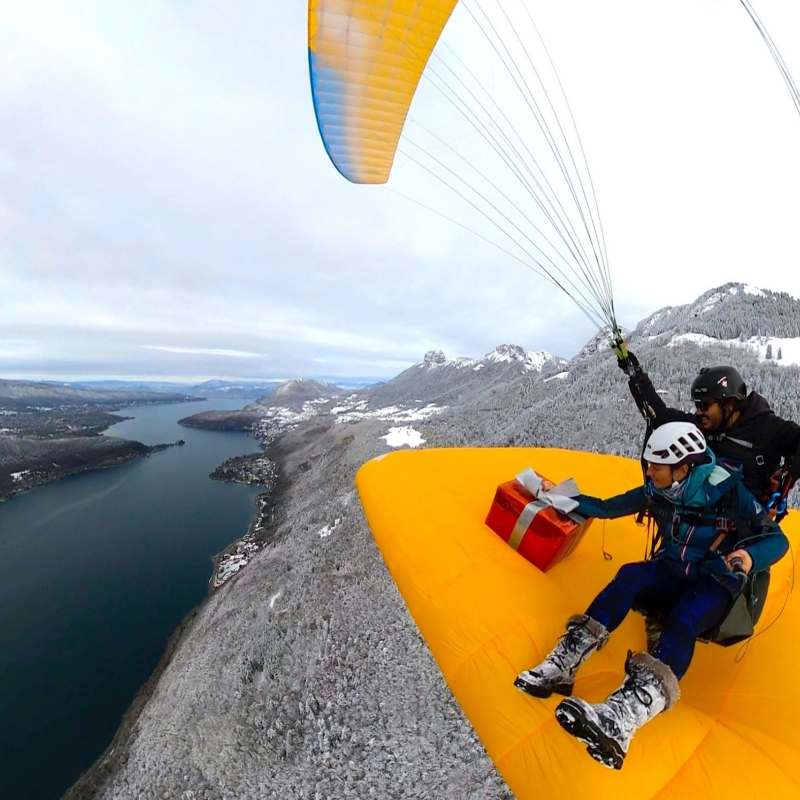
(533, 528)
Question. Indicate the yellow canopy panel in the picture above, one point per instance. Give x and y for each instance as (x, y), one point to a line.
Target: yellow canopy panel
(366, 58)
(487, 614)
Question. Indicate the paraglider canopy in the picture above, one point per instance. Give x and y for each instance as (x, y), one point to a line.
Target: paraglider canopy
(366, 59)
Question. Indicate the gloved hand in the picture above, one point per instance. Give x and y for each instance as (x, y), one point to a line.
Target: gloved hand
(628, 365)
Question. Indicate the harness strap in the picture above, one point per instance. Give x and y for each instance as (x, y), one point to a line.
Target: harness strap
(726, 520)
(776, 506)
(720, 436)
(737, 525)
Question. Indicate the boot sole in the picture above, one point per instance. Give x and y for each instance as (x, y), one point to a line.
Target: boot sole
(599, 746)
(564, 689)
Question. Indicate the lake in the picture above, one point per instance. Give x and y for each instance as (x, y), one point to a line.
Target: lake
(97, 572)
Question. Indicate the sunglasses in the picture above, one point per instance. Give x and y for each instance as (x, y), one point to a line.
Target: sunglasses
(704, 405)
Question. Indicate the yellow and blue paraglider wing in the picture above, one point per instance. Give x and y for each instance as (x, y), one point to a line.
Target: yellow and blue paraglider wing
(366, 58)
(487, 614)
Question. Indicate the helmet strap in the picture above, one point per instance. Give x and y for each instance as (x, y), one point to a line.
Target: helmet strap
(676, 490)
(730, 412)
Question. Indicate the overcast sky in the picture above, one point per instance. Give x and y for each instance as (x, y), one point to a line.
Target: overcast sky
(167, 208)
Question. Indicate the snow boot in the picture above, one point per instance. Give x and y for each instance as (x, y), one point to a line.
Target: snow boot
(607, 728)
(557, 672)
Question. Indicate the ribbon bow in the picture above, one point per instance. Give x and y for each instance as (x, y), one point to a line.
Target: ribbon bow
(561, 497)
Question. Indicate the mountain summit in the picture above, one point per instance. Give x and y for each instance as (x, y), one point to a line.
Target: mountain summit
(293, 393)
(764, 322)
(732, 311)
(441, 379)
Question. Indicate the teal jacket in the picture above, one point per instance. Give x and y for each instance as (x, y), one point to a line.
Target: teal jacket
(713, 499)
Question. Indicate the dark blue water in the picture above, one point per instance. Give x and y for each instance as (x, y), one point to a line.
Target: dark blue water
(96, 571)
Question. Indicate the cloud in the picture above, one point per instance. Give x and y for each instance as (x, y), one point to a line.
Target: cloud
(207, 351)
(166, 204)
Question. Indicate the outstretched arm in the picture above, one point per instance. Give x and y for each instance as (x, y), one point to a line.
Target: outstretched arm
(623, 505)
(647, 399)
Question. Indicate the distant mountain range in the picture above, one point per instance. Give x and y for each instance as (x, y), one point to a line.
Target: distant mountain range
(441, 380)
(23, 394)
(215, 388)
(290, 395)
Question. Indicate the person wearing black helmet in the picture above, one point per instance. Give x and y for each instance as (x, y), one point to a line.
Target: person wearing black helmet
(738, 425)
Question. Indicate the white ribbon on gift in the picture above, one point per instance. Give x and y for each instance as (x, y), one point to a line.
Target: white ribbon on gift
(560, 497)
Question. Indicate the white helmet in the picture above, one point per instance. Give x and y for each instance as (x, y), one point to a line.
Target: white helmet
(676, 443)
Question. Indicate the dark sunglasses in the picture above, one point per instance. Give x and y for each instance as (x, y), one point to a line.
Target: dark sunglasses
(704, 405)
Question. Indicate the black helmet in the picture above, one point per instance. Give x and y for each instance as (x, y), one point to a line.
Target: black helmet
(718, 383)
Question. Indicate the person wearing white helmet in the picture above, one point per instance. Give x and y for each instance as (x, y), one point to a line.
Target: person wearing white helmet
(711, 534)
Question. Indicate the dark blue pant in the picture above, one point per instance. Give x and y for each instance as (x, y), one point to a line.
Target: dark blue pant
(690, 606)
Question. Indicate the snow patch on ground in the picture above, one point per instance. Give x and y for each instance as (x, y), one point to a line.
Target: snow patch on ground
(559, 377)
(747, 289)
(789, 348)
(350, 405)
(710, 303)
(657, 316)
(459, 362)
(403, 437)
(508, 354)
(287, 418)
(692, 338)
(329, 529)
(388, 413)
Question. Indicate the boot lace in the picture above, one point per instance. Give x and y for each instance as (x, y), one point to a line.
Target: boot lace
(636, 684)
(571, 641)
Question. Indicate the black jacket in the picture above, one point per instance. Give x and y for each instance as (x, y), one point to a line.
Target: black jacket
(758, 439)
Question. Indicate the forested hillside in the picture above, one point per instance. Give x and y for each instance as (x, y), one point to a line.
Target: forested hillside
(732, 311)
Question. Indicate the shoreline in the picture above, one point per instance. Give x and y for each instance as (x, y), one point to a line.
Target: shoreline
(104, 767)
(43, 477)
(39, 479)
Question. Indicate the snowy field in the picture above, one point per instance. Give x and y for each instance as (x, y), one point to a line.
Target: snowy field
(783, 352)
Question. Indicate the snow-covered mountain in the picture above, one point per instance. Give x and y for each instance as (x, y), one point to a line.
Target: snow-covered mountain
(294, 393)
(439, 379)
(600, 342)
(763, 322)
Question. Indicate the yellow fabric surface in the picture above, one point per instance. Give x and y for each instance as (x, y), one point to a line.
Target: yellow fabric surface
(487, 614)
(367, 57)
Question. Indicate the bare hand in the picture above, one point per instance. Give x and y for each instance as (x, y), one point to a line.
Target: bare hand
(742, 556)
